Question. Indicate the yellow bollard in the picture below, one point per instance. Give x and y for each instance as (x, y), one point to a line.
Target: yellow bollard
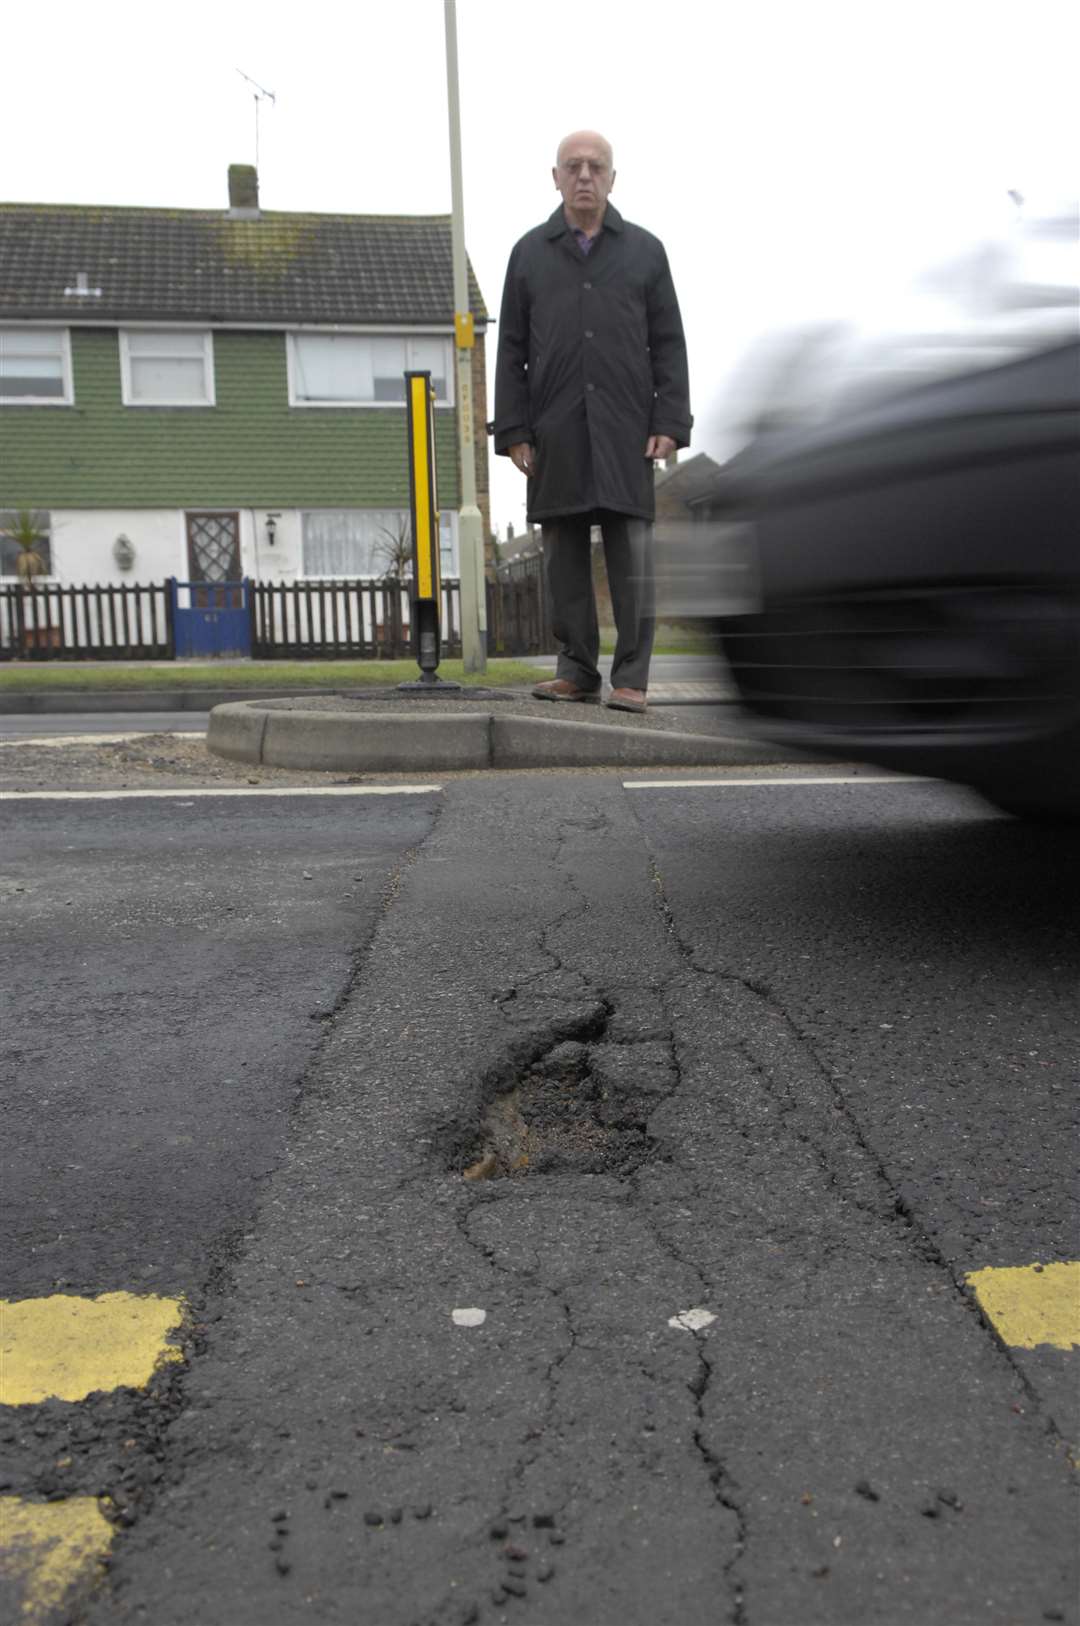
(427, 586)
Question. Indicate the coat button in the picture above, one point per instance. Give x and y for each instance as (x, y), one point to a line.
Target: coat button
(590, 386)
(586, 284)
(588, 332)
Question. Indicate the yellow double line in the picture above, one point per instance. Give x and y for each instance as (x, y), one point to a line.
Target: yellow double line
(1031, 1305)
(65, 1348)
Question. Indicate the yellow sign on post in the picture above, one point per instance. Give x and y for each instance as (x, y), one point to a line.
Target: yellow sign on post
(464, 330)
(424, 512)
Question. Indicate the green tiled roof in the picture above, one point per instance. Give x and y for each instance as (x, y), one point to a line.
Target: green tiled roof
(217, 266)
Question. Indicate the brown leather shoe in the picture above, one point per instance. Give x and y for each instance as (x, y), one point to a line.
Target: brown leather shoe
(627, 700)
(563, 689)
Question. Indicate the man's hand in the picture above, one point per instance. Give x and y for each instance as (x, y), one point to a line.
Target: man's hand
(657, 447)
(523, 457)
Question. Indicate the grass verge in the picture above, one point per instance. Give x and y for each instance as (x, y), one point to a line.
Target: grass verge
(100, 676)
(671, 639)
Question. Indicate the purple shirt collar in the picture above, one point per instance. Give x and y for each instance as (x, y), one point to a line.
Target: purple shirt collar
(583, 241)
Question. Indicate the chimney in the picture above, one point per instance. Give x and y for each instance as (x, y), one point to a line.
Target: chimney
(244, 191)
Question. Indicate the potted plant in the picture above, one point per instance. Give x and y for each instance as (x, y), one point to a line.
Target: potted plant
(25, 529)
(27, 533)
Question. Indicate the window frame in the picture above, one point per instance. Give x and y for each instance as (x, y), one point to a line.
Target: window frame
(68, 397)
(207, 336)
(444, 335)
(447, 516)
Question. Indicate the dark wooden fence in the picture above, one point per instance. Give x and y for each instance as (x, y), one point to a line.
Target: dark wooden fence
(369, 620)
(519, 617)
(49, 622)
(338, 620)
(356, 619)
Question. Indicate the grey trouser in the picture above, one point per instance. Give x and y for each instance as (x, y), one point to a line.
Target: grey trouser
(628, 557)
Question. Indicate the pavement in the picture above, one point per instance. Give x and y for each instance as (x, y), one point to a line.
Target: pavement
(693, 721)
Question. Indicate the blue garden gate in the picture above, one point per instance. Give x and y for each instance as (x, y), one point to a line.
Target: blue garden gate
(211, 618)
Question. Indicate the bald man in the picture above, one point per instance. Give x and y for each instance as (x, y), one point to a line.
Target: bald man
(591, 390)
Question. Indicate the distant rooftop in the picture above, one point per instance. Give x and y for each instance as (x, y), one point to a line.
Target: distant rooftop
(687, 480)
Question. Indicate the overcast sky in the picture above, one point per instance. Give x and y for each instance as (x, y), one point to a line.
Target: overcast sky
(798, 157)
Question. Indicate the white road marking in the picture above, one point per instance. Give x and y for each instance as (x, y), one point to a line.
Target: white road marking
(692, 1320)
(230, 790)
(468, 1318)
(795, 779)
(97, 739)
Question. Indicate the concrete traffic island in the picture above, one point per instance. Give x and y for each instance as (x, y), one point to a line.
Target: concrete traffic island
(471, 728)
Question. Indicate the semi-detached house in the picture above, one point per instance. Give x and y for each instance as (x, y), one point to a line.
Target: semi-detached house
(209, 394)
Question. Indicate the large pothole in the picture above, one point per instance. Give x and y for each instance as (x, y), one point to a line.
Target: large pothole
(580, 1108)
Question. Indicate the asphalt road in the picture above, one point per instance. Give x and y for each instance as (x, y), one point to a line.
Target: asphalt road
(31, 726)
(759, 1073)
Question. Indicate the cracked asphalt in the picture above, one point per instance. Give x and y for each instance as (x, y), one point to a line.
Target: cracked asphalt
(795, 1058)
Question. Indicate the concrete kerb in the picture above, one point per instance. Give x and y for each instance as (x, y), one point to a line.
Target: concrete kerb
(237, 731)
(535, 742)
(441, 741)
(438, 742)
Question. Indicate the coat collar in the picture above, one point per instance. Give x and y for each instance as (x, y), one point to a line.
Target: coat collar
(558, 225)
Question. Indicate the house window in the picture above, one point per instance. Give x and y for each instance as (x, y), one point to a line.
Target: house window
(448, 553)
(368, 542)
(35, 366)
(167, 369)
(25, 543)
(365, 369)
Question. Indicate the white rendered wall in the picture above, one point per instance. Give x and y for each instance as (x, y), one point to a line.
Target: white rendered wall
(83, 539)
(82, 544)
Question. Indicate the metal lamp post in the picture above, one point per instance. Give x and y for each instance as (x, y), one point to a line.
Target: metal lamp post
(470, 524)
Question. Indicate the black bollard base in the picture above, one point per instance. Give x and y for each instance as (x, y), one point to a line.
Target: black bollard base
(428, 683)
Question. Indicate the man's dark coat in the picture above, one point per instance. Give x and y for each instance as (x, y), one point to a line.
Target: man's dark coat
(591, 362)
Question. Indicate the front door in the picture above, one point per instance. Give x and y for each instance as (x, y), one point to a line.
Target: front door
(213, 542)
(210, 609)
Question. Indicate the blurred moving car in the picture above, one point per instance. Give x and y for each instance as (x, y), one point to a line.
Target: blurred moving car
(914, 505)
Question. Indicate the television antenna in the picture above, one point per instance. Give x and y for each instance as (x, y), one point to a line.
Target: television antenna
(261, 94)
